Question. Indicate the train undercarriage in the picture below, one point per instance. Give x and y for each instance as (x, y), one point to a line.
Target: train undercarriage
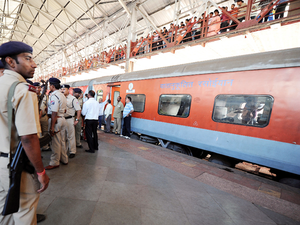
(269, 173)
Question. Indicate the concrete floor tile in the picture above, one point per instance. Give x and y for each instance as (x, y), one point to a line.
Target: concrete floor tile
(209, 219)
(159, 199)
(161, 217)
(290, 196)
(44, 202)
(149, 167)
(85, 186)
(69, 212)
(56, 184)
(277, 218)
(115, 214)
(188, 184)
(120, 193)
(122, 163)
(200, 204)
(239, 209)
(122, 176)
(155, 180)
(124, 154)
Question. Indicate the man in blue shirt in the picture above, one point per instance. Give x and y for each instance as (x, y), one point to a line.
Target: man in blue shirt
(127, 118)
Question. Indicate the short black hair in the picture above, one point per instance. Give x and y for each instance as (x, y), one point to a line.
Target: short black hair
(92, 93)
(109, 101)
(120, 97)
(56, 85)
(5, 66)
(129, 98)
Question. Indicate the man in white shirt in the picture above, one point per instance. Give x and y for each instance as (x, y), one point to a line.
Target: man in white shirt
(108, 112)
(72, 107)
(90, 111)
(101, 110)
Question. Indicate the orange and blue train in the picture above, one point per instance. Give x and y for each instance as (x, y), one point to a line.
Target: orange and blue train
(244, 107)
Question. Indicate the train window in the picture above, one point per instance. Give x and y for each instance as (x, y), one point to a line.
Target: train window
(175, 105)
(249, 110)
(116, 95)
(138, 102)
(99, 95)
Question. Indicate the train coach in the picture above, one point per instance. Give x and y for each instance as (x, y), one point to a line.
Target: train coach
(246, 107)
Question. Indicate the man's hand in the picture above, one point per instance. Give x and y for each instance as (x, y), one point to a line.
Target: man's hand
(44, 180)
(76, 122)
(52, 132)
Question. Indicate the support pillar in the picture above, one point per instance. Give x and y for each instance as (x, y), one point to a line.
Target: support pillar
(131, 37)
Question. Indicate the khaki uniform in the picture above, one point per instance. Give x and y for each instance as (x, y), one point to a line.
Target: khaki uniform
(118, 117)
(78, 125)
(72, 107)
(44, 118)
(26, 122)
(58, 103)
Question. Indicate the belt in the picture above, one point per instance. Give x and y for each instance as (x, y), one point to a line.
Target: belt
(68, 117)
(4, 155)
(44, 115)
(50, 115)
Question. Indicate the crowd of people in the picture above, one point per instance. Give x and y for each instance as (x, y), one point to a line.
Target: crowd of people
(34, 114)
(191, 29)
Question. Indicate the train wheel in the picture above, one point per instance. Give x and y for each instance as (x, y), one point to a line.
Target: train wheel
(199, 153)
(286, 178)
(179, 148)
(222, 160)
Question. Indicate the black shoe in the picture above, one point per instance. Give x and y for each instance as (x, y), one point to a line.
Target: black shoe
(90, 151)
(46, 150)
(40, 217)
(64, 163)
(79, 146)
(71, 156)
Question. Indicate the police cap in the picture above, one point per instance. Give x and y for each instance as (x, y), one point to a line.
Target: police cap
(29, 82)
(54, 80)
(14, 48)
(77, 90)
(36, 84)
(65, 86)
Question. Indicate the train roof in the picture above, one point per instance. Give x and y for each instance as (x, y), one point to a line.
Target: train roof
(257, 61)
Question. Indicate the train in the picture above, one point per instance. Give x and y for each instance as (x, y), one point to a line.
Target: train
(243, 107)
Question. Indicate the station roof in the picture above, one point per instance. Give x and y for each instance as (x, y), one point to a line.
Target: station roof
(53, 26)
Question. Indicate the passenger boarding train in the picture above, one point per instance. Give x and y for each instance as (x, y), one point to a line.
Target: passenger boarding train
(245, 107)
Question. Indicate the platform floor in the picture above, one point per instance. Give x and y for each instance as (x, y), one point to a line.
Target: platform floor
(132, 182)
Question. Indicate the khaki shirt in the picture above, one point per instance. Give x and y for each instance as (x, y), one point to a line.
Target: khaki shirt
(44, 104)
(80, 100)
(118, 110)
(25, 107)
(57, 103)
(72, 105)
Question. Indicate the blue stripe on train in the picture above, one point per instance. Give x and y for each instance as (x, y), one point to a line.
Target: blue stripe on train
(269, 153)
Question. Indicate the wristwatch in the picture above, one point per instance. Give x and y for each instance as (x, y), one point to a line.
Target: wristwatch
(76, 119)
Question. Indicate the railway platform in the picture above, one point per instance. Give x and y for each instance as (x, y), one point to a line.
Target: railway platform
(132, 182)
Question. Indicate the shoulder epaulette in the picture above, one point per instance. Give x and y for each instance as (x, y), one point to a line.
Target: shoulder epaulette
(31, 88)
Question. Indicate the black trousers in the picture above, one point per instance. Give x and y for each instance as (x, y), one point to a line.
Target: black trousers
(91, 134)
(108, 123)
(126, 126)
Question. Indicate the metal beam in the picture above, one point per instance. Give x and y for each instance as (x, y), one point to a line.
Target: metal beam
(125, 7)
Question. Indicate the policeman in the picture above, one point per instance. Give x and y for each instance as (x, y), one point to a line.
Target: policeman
(57, 106)
(1, 69)
(19, 65)
(77, 92)
(72, 107)
(43, 113)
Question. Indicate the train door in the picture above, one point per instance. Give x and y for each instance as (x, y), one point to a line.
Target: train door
(114, 94)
